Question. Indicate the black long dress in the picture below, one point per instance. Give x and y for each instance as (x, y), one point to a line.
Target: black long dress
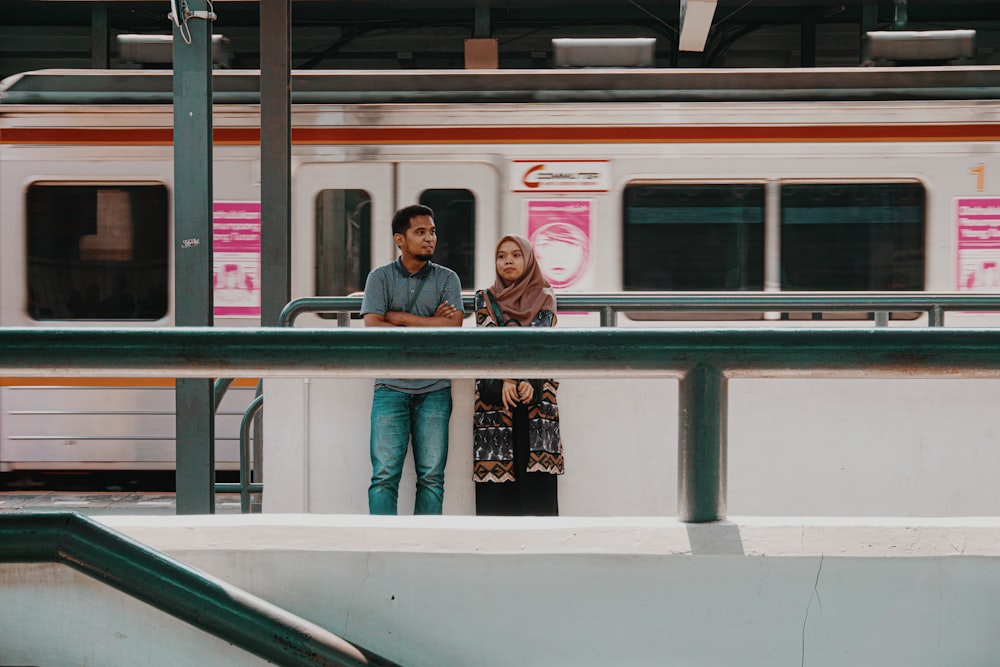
(530, 493)
(517, 454)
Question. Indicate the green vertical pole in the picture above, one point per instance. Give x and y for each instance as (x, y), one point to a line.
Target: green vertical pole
(869, 21)
(900, 20)
(807, 39)
(275, 156)
(195, 399)
(481, 20)
(701, 452)
(99, 52)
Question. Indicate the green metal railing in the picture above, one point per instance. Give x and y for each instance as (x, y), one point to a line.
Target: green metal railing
(245, 487)
(169, 585)
(703, 395)
(702, 359)
(610, 304)
(878, 304)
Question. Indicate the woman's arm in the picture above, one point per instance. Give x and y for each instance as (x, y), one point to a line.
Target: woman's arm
(490, 390)
(544, 318)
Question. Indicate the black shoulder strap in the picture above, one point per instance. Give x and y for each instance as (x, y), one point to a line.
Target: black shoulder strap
(497, 313)
(416, 292)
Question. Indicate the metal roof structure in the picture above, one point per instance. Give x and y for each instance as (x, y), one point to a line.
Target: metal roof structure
(403, 34)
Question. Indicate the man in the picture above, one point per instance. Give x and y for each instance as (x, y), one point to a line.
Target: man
(411, 292)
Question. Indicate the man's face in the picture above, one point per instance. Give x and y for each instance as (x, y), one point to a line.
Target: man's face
(420, 239)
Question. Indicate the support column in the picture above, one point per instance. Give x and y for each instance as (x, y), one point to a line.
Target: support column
(195, 399)
(701, 451)
(275, 155)
(275, 177)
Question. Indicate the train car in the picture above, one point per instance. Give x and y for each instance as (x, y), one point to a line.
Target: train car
(854, 179)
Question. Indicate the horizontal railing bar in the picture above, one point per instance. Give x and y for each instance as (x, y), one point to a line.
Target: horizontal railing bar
(710, 302)
(778, 301)
(469, 352)
(236, 487)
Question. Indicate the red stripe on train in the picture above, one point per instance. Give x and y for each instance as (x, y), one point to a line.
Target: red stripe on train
(521, 135)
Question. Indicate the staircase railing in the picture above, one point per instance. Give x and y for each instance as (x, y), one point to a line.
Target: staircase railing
(169, 585)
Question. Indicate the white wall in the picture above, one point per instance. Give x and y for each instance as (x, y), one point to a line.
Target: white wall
(621, 457)
(482, 591)
(840, 447)
(803, 447)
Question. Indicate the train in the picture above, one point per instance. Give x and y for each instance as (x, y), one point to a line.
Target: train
(629, 179)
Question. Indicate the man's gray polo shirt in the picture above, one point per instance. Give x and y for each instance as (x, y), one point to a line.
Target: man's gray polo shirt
(391, 286)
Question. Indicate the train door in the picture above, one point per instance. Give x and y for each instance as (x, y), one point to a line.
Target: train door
(333, 206)
(342, 215)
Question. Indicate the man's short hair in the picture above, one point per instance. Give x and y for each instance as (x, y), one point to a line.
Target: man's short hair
(401, 221)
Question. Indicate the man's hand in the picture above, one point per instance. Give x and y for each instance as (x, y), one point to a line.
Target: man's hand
(447, 310)
(446, 315)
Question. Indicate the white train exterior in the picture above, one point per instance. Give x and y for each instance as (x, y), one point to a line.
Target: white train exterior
(867, 179)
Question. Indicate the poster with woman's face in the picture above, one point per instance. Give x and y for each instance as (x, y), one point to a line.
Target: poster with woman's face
(559, 232)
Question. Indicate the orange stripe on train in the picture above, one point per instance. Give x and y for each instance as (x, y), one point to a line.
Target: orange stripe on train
(103, 382)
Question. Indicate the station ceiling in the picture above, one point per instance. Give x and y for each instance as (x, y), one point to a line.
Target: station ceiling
(392, 34)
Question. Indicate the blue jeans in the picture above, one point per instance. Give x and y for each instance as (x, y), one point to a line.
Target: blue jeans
(396, 416)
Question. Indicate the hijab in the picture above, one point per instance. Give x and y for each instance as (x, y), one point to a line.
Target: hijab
(523, 299)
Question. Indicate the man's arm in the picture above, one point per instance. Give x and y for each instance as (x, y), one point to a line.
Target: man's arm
(451, 296)
(375, 302)
(376, 320)
(446, 315)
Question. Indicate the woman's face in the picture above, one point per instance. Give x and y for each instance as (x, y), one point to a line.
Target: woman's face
(510, 262)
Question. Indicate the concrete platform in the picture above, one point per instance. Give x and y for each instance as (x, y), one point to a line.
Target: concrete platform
(567, 591)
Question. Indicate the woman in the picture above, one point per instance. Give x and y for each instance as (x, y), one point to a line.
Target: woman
(518, 451)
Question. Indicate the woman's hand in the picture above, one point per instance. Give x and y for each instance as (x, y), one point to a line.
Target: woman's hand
(525, 391)
(509, 394)
(515, 392)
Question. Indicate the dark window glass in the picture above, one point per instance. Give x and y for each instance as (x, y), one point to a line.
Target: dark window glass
(852, 237)
(455, 222)
(343, 241)
(694, 237)
(97, 252)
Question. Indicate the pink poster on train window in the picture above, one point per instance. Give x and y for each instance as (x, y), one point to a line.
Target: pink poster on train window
(559, 232)
(236, 259)
(978, 244)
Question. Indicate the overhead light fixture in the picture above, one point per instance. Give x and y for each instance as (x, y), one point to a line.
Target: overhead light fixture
(696, 20)
(159, 49)
(604, 52)
(925, 46)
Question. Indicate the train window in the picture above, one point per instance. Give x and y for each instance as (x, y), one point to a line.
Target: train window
(455, 220)
(684, 237)
(343, 241)
(852, 236)
(97, 252)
